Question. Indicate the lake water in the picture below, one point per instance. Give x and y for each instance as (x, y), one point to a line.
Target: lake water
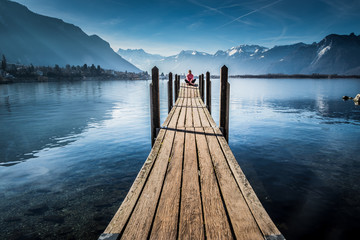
(69, 153)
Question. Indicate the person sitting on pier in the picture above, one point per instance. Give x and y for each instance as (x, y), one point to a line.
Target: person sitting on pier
(190, 79)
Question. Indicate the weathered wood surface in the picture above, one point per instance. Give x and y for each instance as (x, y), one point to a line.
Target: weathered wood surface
(224, 102)
(208, 92)
(154, 104)
(191, 186)
(170, 93)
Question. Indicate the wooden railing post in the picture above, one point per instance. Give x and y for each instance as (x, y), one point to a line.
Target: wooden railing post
(208, 92)
(202, 87)
(154, 104)
(176, 90)
(179, 85)
(170, 93)
(224, 102)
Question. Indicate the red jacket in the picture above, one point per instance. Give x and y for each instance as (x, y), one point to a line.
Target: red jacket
(189, 77)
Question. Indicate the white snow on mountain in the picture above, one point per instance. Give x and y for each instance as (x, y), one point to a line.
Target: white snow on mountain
(232, 52)
(323, 51)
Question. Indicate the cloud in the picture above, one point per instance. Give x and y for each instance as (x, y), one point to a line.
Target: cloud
(113, 21)
(341, 7)
(194, 26)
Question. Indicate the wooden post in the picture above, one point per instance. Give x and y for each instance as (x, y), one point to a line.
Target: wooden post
(224, 102)
(208, 92)
(202, 87)
(170, 93)
(179, 85)
(154, 104)
(176, 93)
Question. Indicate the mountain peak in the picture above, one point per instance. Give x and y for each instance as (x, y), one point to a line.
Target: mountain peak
(244, 49)
(31, 38)
(139, 50)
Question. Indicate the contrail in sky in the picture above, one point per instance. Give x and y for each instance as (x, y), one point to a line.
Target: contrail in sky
(213, 10)
(249, 13)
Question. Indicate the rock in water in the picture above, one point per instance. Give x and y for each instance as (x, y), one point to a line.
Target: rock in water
(345, 98)
(357, 98)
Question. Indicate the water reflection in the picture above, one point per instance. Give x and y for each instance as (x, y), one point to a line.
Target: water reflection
(84, 143)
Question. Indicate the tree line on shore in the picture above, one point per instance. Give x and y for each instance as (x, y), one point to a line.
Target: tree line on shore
(11, 72)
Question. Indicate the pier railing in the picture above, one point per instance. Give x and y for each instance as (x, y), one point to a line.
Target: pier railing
(203, 88)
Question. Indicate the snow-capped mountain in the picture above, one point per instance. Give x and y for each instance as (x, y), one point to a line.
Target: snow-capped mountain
(242, 51)
(30, 38)
(335, 54)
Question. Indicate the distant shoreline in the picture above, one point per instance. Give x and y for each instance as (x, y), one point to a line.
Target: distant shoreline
(63, 79)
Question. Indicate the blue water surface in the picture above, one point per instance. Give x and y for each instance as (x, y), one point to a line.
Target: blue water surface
(70, 151)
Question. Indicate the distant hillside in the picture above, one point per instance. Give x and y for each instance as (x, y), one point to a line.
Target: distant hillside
(140, 58)
(30, 38)
(335, 54)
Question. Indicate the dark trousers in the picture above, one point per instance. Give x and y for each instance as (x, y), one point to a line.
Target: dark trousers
(187, 81)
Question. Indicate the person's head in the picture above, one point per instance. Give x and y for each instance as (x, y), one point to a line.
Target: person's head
(189, 71)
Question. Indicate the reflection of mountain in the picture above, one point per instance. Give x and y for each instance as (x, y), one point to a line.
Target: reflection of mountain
(335, 54)
(54, 114)
(30, 38)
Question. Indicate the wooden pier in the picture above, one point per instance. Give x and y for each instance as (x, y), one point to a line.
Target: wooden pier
(191, 186)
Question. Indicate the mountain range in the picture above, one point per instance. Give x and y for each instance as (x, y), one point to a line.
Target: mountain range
(335, 54)
(29, 38)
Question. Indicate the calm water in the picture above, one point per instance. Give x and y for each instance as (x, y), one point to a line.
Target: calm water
(69, 153)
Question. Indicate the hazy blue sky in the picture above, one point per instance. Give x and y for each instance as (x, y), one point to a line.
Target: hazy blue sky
(169, 26)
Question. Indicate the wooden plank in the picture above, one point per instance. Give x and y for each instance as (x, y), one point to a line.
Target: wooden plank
(196, 117)
(215, 219)
(179, 103)
(208, 115)
(120, 218)
(189, 109)
(166, 219)
(201, 109)
(147, 200)
(168, 119)
(182, 117)
(191, 219)
(241, 218)
(177, 108)
(179, 91)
